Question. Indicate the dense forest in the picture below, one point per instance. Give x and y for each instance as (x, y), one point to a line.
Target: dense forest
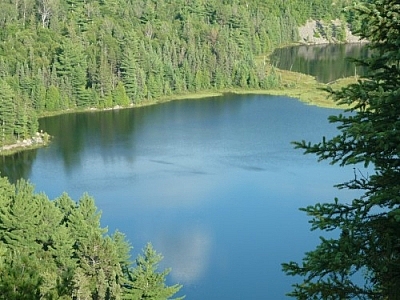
(76, 54)
(59, 55)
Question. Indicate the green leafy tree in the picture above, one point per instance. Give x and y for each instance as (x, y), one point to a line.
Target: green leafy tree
(368, 242)
(145, 282)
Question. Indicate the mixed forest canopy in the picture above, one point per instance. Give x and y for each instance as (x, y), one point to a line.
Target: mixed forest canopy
(57, 55)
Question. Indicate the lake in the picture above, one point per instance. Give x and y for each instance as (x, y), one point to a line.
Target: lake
(326, 62)
(214, 184)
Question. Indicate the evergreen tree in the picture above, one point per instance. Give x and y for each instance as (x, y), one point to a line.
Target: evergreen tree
(129, 71)
(21, 129)
(119, 95)
(53, 98)
(38, 246)
(144, 280)
(7, 111)
(19, 278)
(97, 257)
(368, 244)
(57, 250)
(38, 94)
(72, 64)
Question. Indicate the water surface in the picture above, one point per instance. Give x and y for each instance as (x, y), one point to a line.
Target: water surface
(214, 184)
(326, 62)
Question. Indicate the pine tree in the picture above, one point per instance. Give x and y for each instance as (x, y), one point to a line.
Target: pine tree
(144, 280)
(129, 69)
(7, 112)
(14, 233)
(38, 94)
(38, 245)
(97, 256)
(57, 250)
(53, 98)
(19, 278)
(368, 244)
(21, 120)
(119, 95)
(72, 65)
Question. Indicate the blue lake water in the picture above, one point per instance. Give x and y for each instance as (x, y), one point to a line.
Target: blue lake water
(214, 184)
(327, 62)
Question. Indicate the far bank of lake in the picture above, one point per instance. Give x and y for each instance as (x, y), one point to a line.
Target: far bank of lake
(296, 67)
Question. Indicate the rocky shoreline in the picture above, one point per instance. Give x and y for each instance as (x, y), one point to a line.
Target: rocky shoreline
(319, 32)
(40, 139)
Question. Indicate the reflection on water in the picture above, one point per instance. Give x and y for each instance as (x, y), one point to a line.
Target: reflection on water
(326, 62)
(214, 184)
(18, 165)
(189, 253)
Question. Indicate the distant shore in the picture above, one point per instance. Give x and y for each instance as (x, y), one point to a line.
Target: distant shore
(296, 85)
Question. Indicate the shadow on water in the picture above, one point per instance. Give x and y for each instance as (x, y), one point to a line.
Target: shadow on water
(114, 134)
(18, 165)
(98, 131)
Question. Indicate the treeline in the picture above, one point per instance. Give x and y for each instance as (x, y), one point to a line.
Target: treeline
(57, 250)
(57, 55)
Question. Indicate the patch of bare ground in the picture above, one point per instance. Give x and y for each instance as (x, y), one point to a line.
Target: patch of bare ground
(320, 32)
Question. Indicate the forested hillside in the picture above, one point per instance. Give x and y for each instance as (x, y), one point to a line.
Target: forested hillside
(57, 55)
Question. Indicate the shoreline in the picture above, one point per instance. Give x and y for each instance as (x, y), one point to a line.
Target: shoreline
(39, 140)
(302, 87)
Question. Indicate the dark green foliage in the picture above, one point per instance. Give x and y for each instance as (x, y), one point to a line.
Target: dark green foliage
(19, 277)
(7, 111)
(369, 240)
(57, 250)
(58, 55)
(71, 64)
